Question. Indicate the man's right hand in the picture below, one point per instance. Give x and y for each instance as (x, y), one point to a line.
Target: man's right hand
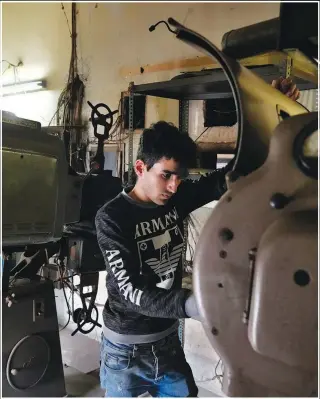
(287, 87)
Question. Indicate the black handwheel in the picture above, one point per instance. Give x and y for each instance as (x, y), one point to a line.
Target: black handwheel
(81, 317)
(98, 118)
(28, 362)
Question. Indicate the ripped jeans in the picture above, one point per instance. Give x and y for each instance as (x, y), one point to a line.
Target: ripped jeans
(159, 368)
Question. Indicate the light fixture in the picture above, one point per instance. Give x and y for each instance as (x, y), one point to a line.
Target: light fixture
(23, 87)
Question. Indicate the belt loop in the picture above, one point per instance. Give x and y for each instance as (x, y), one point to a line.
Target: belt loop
(134, 348)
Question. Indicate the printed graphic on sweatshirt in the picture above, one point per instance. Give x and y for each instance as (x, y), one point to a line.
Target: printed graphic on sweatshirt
(154, 225)
(117, 267)
(162, 254)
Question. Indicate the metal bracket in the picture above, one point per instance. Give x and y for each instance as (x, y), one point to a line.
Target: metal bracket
(252, 261)
(184, 116)
(130, 151)
(184, 128)
(286, 67)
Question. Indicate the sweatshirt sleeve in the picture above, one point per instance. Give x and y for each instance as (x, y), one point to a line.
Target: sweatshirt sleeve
(200, 192)
(124, 274)
(191, 308)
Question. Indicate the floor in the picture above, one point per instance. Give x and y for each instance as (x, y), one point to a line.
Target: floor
(82, 385)
(80, 356)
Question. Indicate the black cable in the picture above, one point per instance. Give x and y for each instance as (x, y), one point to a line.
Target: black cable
(11, 65)
(69, 105)
(62, 7)
(218, 376)
(66, 278)
(201, 134)
(223, 112)
(57, 111)
(67, 302)
(217, 365)
(69, 311)
(153, 27)
(24, 266)
(72, 306)
(117, 122)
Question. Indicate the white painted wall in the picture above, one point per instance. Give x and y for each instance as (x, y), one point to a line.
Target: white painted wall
(37, 34)
(112, 36)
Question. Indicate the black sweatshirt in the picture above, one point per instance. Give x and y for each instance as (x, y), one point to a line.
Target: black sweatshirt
(142, 245)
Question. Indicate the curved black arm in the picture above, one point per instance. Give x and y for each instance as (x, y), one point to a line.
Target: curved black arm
(201, 43)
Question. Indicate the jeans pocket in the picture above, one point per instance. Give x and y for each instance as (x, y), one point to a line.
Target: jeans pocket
(117, 361)
(171, 355)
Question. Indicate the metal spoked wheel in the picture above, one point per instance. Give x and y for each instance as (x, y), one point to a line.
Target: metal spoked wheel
(28, 362)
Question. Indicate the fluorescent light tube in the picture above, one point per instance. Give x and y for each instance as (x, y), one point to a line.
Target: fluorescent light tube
(23, 87)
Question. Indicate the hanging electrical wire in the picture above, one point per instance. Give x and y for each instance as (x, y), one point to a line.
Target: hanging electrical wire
(61, 269)
(219, 376)
(69, 106)
(201, 134)
(15, 67)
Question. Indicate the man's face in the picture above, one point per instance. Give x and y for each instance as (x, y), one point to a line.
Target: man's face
(161, 182)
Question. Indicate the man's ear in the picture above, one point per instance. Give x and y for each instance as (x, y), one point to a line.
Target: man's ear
(139, 167)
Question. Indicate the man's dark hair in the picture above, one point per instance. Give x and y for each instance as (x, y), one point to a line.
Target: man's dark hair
(164, 140)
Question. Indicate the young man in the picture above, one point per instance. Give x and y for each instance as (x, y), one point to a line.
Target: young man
(140, 234)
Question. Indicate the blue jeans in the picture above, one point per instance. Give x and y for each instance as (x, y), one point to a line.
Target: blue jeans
(159, 368)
